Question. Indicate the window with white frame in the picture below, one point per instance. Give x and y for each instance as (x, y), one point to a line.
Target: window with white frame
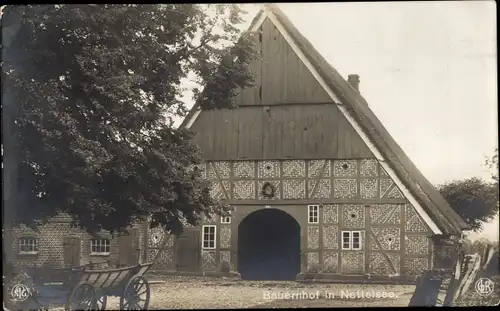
(28, 246)
(225, 219)
(356, 240)
(313, 214)
(351, 240)
(100, 247)
(209, 236)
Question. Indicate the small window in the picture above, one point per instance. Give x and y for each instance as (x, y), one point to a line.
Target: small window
(208, 240)
(356, 240)
(225, 220)
(28, 246)
(313, 214)
(351, 240)
(100, 247)
(346, 239)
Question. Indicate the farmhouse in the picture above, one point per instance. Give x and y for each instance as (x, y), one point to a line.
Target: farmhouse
(316, 181)
(317, 184)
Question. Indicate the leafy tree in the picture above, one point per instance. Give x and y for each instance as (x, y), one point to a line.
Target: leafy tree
(89, 93)
(473, 199)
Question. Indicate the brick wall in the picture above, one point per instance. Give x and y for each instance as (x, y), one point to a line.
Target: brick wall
(51, 244)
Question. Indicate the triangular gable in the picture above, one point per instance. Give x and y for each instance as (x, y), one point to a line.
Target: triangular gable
(428, 202)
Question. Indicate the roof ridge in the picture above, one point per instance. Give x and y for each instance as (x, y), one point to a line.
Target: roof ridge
(369, 121)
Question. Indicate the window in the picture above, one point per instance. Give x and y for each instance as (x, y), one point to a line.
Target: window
(351, 240)
(28, 246)
(225, 220)
(346, 239)
(208, 240)
(356, 240)
(99, 247)
(313, 214)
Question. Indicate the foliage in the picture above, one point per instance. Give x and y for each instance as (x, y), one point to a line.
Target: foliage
(473, 199)
(89, 96)
(477, 246)
(492, 163)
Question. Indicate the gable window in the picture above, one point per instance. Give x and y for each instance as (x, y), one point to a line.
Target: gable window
(100, 247)
(209, 235)
(28, 246)
(313, 214)
(351, 240)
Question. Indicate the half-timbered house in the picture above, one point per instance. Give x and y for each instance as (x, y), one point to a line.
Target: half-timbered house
(316, 181)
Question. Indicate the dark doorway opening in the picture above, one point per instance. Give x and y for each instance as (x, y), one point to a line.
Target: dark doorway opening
(269, 246)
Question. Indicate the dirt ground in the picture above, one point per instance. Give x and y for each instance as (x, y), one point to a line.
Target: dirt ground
(220, 294)
(197, 293)
(205, 293)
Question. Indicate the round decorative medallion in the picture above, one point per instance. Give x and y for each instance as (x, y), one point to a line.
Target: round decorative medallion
(156, 236)
(390, 238)
(268, 190)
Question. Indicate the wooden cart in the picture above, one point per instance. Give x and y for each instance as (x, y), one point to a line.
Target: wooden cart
(85, 289)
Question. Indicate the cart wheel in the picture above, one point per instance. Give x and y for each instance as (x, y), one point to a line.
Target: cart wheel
(101, 302)
(83, 297)
(136, 294)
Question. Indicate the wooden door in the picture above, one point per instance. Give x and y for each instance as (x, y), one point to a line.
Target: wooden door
(72, 249)
(187, 249)
(129, 248)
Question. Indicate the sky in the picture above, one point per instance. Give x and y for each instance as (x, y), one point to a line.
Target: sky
(427, 70)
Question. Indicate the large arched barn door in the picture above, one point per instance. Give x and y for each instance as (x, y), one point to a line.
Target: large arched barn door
(269, 246)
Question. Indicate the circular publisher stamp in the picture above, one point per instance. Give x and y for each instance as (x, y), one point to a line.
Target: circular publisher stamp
(484, 286)
(20, 292)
